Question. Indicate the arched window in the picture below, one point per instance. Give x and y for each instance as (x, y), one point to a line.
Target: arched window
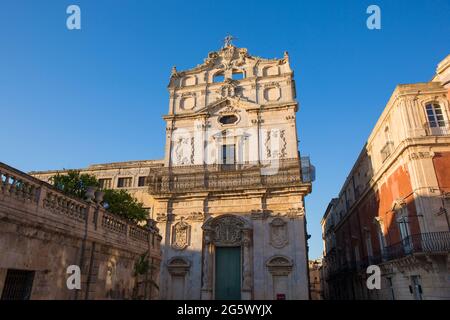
(434, 115)
(237, 75)
(218, 77)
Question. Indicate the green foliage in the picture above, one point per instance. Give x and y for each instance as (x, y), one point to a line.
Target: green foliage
(141, 266)
(119, 202)
(122, 203)
(73, 183)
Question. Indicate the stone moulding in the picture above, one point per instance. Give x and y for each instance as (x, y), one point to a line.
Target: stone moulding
(279, 265)
(178, 266)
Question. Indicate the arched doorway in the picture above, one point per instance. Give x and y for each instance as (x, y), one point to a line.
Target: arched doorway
(227, 258)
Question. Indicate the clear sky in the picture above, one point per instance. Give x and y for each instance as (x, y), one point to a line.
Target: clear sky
(73, 98)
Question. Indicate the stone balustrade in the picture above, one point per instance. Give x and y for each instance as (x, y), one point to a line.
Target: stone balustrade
(44, 231)
(61, 204)
(113, 223)
(48, 202)
(21, 187)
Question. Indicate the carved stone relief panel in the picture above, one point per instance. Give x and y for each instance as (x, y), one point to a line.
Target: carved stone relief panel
(181, 233)
(226, 230)
(184, 151)
(189, 81)
(278, 233)
(272, 94)
(187, 103)
(275, 144)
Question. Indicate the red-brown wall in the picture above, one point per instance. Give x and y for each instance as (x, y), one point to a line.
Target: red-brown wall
(441, 162)
(378, 203)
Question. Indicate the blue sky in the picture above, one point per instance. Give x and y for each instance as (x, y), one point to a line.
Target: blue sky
(72, 98)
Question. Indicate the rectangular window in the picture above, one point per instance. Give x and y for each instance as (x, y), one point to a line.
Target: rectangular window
(228, 154)
(404, 232)
(382, 241)
(435, 116)
(124, 182)
(18, 285)
(141, 181)
(105, 183)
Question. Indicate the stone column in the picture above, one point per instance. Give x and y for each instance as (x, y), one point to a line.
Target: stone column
(207, 273)
(247, 265)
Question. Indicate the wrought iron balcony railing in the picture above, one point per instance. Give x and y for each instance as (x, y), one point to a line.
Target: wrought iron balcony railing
(439, 128)
(432, 242)
(284, 172)
(418, 243)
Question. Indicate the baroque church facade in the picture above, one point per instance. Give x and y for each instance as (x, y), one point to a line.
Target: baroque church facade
(228, 197)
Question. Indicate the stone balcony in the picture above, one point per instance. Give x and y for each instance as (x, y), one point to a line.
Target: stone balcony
(217, 177)
(430, 243)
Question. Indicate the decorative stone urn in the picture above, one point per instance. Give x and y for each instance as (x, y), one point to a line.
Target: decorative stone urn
(90, 193)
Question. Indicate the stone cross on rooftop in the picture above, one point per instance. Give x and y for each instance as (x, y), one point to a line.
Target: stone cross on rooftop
(227, 40)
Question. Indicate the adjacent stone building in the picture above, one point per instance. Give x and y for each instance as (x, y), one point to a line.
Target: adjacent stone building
(228, 196)
(393, 209)
(44, 232)
(315, 279)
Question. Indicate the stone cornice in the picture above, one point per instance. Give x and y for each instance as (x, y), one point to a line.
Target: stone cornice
(107, 166)
(261, 109)
(425, 88)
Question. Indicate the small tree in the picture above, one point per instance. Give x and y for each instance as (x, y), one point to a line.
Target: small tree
(73, 183)
(122, 203)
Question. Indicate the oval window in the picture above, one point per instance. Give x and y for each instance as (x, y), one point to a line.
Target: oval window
(230, 119)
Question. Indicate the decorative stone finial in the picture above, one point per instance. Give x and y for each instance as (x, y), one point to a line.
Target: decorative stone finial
(174, 70)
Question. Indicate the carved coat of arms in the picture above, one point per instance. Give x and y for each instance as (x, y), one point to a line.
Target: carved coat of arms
(181, 235)
(278, 233)
(228, 231)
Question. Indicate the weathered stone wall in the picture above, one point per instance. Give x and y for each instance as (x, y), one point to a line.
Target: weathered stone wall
(44, 231)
